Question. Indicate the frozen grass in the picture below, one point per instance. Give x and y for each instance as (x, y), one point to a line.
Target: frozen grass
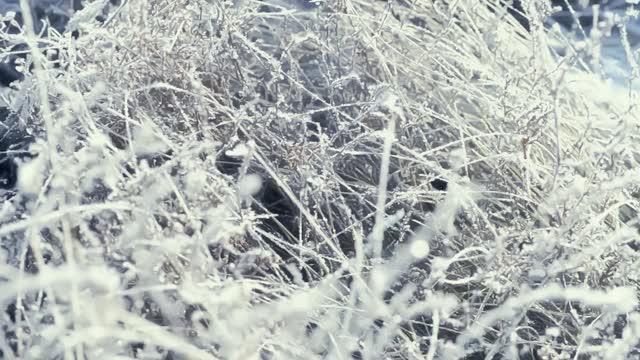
(350, 179)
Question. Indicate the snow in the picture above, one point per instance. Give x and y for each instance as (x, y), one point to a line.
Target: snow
(249, 185)
(31, 175)
(146, 141)
(239, 151)
(419, 248)
(323, 247)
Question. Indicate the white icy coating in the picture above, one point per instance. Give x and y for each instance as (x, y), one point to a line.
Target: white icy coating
(253, 180)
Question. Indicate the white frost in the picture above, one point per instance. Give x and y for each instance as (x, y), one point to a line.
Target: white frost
(419, 248)
(240, 151)
(31, 175)
(249, 185)
(147, 142)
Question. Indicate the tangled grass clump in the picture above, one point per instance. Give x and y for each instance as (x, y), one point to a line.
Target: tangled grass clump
(347, 179)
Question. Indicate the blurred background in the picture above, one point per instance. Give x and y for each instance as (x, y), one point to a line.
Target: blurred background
(597, 25)
(577, 20)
